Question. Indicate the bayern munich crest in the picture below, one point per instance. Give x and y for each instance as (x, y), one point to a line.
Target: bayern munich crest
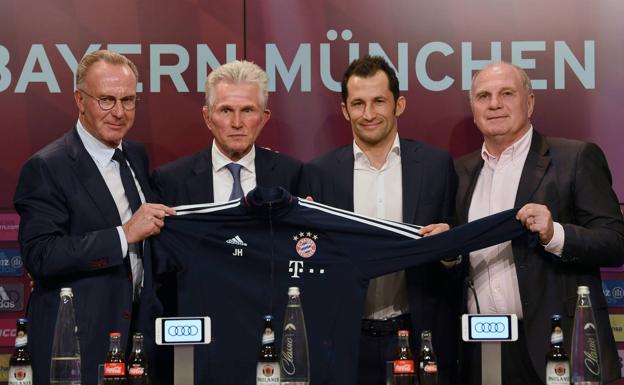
(306, 247)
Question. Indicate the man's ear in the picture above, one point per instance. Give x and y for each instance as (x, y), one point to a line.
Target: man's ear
(345, 112)
(206, 115)
(79, 101)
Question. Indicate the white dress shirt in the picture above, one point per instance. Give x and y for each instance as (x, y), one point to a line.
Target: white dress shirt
(102, 155)
(222, 179)
(492, 269)
(379, 193)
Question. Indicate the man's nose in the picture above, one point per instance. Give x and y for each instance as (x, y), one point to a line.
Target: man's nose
(495, 102)
(237, 122)
(117, 110)
(369, 112)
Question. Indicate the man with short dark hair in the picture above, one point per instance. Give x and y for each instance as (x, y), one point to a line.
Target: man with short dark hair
(81, 201)
(385, 176)
(564, 188)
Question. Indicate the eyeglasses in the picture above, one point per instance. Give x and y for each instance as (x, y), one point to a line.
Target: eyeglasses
(107, 103)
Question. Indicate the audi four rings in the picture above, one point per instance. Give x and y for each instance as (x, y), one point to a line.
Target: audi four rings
(180, 331)
(489, 327)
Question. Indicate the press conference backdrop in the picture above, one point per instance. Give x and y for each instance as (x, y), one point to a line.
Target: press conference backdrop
(572, 50)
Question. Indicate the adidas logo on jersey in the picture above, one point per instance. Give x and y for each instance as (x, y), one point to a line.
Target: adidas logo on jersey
(236, 241)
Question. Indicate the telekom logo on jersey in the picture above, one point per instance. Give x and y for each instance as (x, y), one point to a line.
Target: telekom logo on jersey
(297, 269)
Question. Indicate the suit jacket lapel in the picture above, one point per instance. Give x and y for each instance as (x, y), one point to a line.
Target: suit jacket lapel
(89, 175)
(139, 167)
(199, 185)
(411, 178)
(535, 167)
(343, 182)
(468, 172)
(264, 168)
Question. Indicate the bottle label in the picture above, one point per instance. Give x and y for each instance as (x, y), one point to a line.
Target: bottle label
(590, 352)
(556, 337)
(403, 366)
(288, 353)
(136, 370)
(114, 369)
(557, 373)
(268, 337)
(430, 367)
(267, 373)
(20, 375)
(21, 340)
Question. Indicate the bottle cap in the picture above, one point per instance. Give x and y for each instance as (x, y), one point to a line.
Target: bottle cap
(268, 317)
(293, 290)
(67, 292)
(582, 290)
(115, 334)
(403, 333)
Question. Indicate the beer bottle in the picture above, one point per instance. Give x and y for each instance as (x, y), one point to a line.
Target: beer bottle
(137, 362)
(115, 367)
(427, 362)
(20, 369)
(557, 365)
(268, 369)
(403, 368)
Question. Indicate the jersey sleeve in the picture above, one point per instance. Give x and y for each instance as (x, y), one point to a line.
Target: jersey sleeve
(379, 247)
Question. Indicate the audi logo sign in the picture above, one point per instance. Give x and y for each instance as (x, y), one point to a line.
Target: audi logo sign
(489, 327)
(183, 330)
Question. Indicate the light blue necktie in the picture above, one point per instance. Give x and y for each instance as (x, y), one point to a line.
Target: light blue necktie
(237, 189)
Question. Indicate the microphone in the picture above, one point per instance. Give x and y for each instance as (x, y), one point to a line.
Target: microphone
(474, 293)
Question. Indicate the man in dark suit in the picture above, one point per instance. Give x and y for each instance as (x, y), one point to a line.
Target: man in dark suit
(80, 200)
(565, 189)
(385, 176)
(235, 112)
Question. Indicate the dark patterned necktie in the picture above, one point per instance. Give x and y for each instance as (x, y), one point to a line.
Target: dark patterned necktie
(127, 180)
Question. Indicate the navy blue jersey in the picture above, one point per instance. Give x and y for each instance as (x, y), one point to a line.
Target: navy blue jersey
(235, 261)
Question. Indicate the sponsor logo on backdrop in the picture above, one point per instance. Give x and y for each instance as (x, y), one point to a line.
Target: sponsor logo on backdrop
(11, 297)
(614, 292)
(11, 263)
(621, 354)
(8, 331)
(9, 223)
(617, 325)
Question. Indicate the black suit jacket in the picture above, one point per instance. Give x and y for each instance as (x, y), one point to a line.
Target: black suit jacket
(429, 183)
(572, 178)
(68, 238)
(188, 180)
